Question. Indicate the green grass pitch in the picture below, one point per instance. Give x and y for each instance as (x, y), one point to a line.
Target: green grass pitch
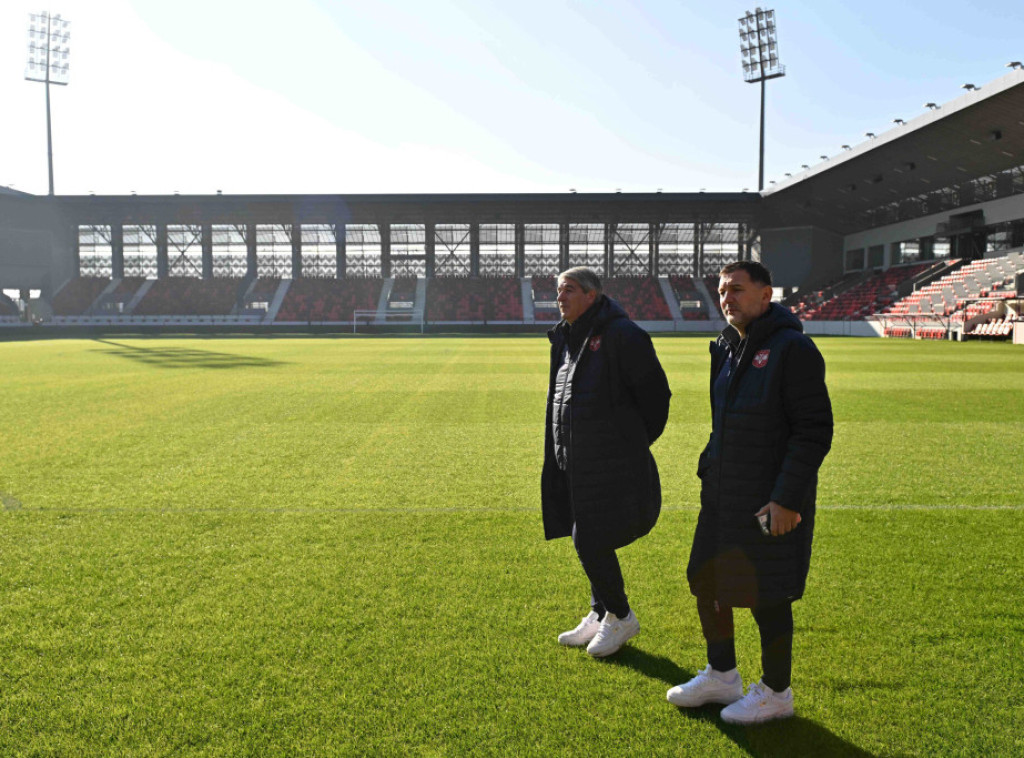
(315, 547)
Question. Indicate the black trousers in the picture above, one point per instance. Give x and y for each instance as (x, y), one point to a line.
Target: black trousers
(775, 625)
(607, 588)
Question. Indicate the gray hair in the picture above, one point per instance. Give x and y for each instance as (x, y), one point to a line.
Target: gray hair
(585, 277)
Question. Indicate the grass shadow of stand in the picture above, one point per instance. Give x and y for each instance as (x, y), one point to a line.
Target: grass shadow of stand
(181, 357)
(785, 738)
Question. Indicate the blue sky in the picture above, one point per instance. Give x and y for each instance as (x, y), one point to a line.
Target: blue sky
(471, 95)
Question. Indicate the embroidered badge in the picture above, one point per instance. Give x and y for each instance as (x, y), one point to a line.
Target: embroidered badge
(761, 358)
(595, 343)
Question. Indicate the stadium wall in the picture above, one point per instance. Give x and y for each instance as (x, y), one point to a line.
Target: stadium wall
(33, 250)
(1003, 210)
(802, 256)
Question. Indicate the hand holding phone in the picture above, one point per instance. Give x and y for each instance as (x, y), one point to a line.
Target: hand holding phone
(776, 520)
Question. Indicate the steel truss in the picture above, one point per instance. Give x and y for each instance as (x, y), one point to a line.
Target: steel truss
(371, 250)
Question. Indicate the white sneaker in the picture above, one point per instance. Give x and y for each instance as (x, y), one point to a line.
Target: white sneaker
(583, 633)
(613, 634)
(707, 687)
(761, 703)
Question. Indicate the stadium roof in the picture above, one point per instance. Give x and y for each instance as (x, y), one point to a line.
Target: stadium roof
(666, 207)
(978, 134)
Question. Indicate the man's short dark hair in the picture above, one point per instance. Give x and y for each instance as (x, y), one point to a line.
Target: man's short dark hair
(757, 272)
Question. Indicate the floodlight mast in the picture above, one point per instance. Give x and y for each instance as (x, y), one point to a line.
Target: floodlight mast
(48, 63)
(760, 49)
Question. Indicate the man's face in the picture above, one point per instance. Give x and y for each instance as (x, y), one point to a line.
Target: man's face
(742, 300)
(572, 300)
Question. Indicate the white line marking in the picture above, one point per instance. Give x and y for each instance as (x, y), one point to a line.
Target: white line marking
(469, 509)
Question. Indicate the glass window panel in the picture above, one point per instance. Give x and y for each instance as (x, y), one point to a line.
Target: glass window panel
(497, 250)
(319, 251)
(274, 251)
(540, 249)
(452, 250)
(95, 253)
(362, 251)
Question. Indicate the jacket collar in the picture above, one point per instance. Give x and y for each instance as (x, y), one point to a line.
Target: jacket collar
(776, 318)
(594, 320)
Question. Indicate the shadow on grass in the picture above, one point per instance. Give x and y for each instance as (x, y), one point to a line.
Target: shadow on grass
(789, 737)
(181, 357)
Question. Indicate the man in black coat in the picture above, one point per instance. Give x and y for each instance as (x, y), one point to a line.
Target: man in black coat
(607, 403)
(771, 429)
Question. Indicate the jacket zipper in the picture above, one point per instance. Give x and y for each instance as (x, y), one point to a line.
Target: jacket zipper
(572, 372)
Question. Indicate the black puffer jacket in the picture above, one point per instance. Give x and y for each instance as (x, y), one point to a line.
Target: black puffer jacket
(615, 406)
(768, 440)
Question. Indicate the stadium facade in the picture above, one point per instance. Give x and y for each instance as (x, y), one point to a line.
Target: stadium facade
(946, 187)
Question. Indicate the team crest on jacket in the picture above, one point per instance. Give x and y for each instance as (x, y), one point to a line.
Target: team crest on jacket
(595, 343)
(761, 358)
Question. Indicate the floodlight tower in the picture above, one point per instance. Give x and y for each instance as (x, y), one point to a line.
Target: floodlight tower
(48, 50)
(760, 49)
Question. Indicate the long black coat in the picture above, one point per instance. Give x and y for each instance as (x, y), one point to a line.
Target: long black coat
(768, 440)
(618, 408)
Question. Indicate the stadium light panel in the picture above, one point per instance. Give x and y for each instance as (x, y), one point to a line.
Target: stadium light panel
(47, 57)
(760, 53)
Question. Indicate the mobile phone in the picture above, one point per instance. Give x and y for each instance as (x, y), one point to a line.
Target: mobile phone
(765, 522)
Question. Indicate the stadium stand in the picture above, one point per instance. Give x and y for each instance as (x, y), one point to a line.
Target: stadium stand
(403, 292)
(260, 295)
(932, 333)
(990, 277)
(641, 297)
(328, 299)
(76, 297)
(711, 282)
(117, 301)
(481, 299)
(867, 297)
(402, 299)
(1000, 328)
(545, 290)
(182, 296)
(691, 304)
(802, 302)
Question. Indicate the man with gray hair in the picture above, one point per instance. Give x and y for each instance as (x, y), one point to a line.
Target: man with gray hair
(607, 402)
